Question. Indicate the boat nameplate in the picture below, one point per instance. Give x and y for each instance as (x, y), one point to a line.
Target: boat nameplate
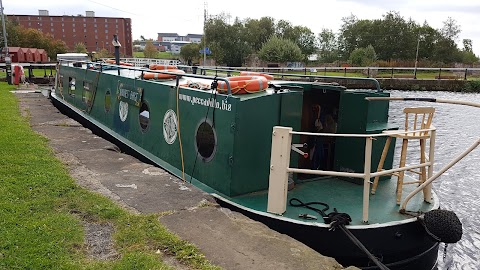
(129, 93)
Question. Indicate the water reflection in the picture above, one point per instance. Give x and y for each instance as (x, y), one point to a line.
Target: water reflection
(458, 189)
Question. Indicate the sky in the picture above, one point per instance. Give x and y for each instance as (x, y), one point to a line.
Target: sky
(150, 17)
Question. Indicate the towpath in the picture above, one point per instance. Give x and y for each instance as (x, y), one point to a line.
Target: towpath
(228, 239)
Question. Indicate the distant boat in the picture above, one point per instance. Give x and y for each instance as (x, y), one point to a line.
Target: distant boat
(247, 140)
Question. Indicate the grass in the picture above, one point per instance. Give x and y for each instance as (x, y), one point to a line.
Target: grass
(42, 210)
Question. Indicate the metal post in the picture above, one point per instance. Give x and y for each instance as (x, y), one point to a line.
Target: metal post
(440, 74)
(427, 191)
(368, 72)
(416, 58)
(366, 178)
(279, 163)
(8, 60)
(345, 72)
(117, 46)
(392, 74)
(466, 70)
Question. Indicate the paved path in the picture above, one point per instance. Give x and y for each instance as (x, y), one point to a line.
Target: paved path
(227, 238)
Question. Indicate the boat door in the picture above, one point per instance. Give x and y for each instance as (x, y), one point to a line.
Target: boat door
(319, 114)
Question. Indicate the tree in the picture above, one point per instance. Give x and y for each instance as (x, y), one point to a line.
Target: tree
(190, 52)
(278, 49)
(328, 46)
(467, 45)
(150, 50)
(18, 36)
(80, 47)
(450, 29)
(103, 53)
(363, 56)
(259, 31)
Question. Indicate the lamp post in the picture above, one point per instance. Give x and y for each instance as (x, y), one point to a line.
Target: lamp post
(416, 57)
(8, 60)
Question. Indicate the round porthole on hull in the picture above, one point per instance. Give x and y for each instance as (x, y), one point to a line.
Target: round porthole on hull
(206, 140)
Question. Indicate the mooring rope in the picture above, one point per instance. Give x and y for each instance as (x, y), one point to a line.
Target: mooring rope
(337, 221)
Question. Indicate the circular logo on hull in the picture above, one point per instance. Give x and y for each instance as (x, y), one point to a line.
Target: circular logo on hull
(170, 126)
(123, 110)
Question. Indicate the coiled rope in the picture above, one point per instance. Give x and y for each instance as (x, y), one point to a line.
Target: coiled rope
(338, 221)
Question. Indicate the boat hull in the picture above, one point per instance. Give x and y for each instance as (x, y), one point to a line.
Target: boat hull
(405, 245)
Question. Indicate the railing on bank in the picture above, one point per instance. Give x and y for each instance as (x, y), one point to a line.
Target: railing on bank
(446, 73)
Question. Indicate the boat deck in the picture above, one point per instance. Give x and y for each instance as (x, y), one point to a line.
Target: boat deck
(346, 197)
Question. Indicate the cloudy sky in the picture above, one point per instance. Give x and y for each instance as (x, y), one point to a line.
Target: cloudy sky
(186, 16)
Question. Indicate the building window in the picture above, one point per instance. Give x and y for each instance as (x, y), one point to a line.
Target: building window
(84, 19)
(84, 30)
(73, 19)
(64, 24)
(95, 30)
(73, 30)
(62, 19)
(106, 25)
(72, 24)
(105, 20)
(84, 25)
(96, 37)
(40, 24)
(51, 24)
(29, 18)
(95, 25)
(51, 29)
(29, 24)
(95, 20)
(116, 20)
(106, 31)
(39, 18)
(51, 19)
(63, 30)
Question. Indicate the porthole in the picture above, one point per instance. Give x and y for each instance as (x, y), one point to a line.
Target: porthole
(108, 101)
(144, 116)
(206, 140)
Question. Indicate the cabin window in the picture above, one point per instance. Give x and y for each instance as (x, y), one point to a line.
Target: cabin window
(71, 86)
(144, 116)
(108, 101)
(206, 140)
(87, 94)
(60, 83)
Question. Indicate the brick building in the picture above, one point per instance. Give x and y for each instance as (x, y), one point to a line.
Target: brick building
(95, 32)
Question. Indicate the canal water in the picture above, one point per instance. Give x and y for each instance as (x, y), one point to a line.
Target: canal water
(459, 188)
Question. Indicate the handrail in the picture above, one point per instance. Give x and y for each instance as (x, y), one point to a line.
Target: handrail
(451, 163)
(373, 80)
(227, 82)
(280, 160)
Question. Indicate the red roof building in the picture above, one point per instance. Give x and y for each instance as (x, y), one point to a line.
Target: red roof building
(43, 55)
(17, 54)
(30, 55)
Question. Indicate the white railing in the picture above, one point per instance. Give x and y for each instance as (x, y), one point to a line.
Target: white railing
(142, 62)
(280, 160)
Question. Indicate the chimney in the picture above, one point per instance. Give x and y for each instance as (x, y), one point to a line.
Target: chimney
(43, 12)
(90, 13)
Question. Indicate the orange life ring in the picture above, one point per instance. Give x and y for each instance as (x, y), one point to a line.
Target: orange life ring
(246, 73)
(163, 76)
(111, 61)
(243, 84)
(162, 67)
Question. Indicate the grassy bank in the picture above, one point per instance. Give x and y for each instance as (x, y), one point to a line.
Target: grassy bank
(42, 211)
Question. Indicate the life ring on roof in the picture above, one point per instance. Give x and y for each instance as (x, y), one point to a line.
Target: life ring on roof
(111, 61)
(163, 76)
(161, 67)
(243, 85)
(246, 73)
